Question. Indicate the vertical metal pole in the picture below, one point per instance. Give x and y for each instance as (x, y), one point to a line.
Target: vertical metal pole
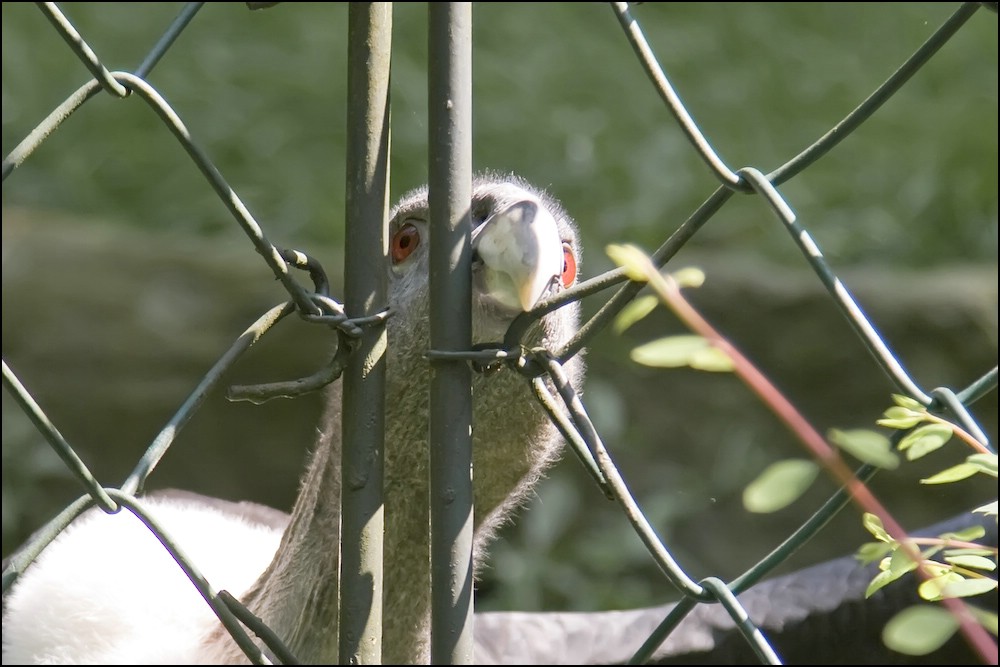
(366, 287)
(450, 192)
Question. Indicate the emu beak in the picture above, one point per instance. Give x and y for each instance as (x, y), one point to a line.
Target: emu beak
(521, 255)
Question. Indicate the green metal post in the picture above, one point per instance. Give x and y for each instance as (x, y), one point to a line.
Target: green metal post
(366, 288)
(450, 117)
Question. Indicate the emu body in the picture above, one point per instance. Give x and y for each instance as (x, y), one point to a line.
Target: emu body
(107, 592)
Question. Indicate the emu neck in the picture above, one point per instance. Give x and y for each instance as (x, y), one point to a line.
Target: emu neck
(297, 596)
(512, 441)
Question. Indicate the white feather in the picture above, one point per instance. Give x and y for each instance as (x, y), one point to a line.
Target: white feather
(106, 591)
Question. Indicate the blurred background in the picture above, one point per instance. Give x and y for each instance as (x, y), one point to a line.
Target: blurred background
(124, 278)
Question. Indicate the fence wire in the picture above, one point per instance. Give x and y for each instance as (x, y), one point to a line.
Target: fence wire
(542, 368)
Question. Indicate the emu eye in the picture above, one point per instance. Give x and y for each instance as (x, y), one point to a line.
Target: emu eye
(404, 242)
(569, 266)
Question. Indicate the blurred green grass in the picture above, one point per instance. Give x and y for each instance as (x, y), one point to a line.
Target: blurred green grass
(560, 99)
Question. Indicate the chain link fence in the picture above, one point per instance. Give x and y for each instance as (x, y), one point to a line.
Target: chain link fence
(314, 303)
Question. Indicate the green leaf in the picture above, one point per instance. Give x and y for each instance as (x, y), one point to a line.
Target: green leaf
(712, 359)
(986, 463)
(953, 474)
(880, 580)
(968, 587)
(635, 262)
(873, 525)
(635, 311)
(924, 440)
(971, 561)
(899, 424)
(930, 590)
(899, 417)
(989, 509)
(965, 535)
(779, 485)
(919, 630)
(690, 276)
(985, 551)
(869, 552)
(907, 402)
(669, 352)
(867, 446)
(900, 562)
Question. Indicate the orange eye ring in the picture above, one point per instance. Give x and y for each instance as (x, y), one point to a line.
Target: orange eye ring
(569, 266)
(404, 242)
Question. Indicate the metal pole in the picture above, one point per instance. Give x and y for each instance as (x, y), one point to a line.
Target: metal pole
(450, 192)
(366, 287)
